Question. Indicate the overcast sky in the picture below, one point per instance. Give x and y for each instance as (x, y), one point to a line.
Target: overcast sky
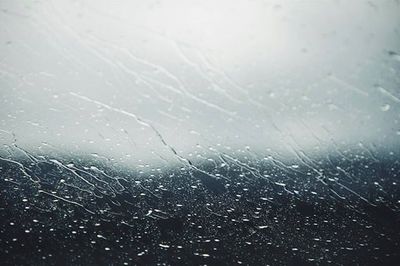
(136, 80)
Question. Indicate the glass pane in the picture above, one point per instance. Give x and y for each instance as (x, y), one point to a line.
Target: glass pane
(199, 132)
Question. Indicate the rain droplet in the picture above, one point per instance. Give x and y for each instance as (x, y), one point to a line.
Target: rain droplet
(385, 107)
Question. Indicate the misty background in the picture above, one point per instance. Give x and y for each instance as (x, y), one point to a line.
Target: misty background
(131, 80)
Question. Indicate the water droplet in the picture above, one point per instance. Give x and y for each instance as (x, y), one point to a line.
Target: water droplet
(385, 107)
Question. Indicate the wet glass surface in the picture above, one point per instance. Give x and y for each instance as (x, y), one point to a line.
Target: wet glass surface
(199, 132)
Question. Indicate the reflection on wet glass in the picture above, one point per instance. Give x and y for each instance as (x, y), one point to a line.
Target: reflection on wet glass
(199, 132)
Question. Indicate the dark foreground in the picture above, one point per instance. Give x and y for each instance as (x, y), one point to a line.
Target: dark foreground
(75, 213)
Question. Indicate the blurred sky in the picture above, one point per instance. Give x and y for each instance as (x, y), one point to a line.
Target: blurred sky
(135, 79)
